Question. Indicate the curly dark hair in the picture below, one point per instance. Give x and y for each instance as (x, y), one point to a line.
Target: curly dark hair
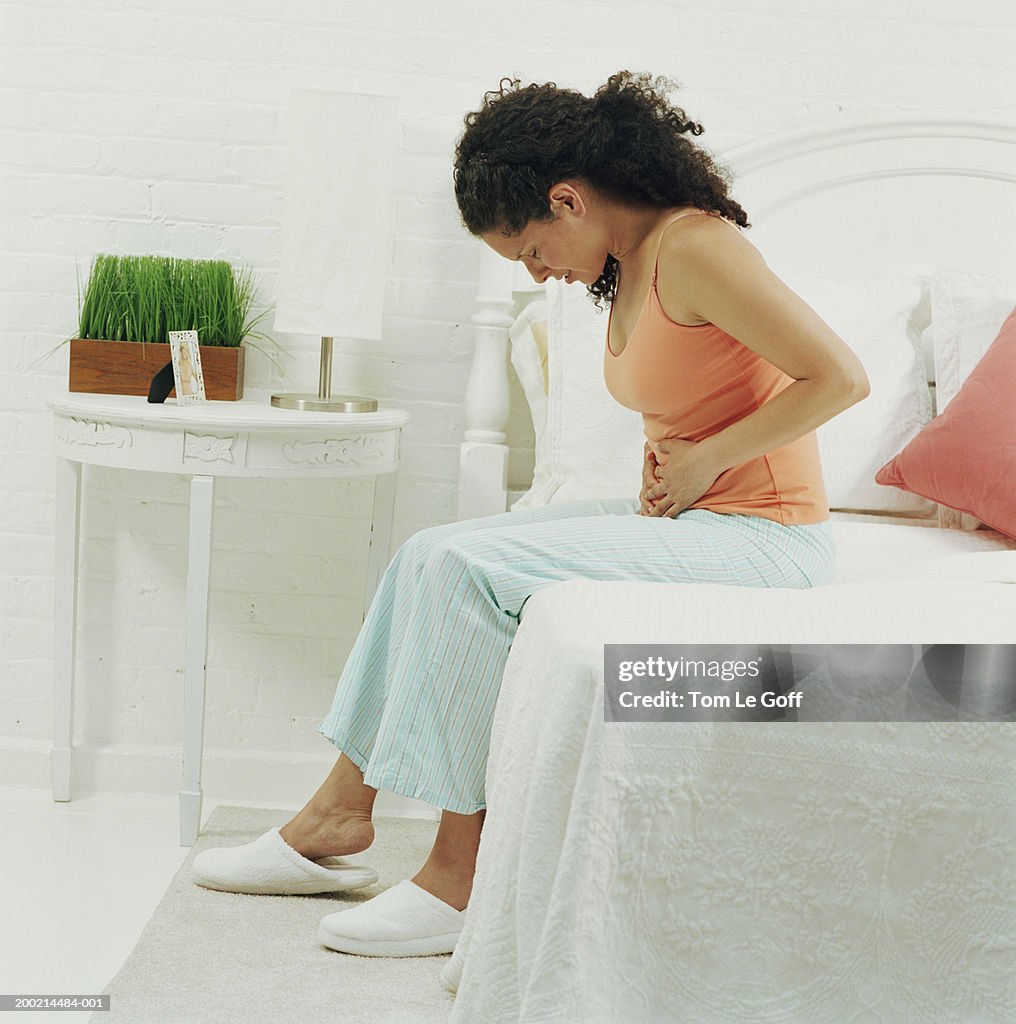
(628, 140)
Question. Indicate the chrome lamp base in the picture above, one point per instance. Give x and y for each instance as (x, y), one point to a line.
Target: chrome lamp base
(324, 400)
(314, 403)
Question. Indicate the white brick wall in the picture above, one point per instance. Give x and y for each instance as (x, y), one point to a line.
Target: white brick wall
(158, 127)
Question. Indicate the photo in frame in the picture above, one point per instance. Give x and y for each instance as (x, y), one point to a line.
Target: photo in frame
(190, 383)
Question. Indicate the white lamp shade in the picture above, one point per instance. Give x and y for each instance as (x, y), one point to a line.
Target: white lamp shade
(337, 214)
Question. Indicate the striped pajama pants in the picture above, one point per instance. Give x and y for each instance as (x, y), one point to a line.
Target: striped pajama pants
(415, 701)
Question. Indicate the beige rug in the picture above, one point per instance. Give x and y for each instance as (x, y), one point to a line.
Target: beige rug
(211, 957)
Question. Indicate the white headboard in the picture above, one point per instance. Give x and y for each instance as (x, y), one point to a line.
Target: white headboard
(850, 198)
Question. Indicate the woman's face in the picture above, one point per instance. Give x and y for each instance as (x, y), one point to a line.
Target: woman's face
(567, 248)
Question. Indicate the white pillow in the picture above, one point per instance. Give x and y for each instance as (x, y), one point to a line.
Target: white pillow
(882, 320)
(594, 446)
(587, 444)
(967, 309)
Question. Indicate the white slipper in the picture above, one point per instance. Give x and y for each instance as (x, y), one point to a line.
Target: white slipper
(404, 920)
(269, 866)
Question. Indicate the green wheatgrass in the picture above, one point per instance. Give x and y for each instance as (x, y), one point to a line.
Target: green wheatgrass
(143, 298)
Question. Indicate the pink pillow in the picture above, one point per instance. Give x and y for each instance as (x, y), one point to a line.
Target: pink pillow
(966, 458)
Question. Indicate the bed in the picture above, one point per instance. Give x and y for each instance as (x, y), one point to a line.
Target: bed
(710, 872)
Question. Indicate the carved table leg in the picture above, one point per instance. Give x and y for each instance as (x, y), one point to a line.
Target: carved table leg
(68, 528)
(199, 560)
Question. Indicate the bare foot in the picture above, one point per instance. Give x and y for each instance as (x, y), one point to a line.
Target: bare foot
(315, 835)
(448, 884)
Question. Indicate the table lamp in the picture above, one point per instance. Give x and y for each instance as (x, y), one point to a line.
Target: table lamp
(336, 229)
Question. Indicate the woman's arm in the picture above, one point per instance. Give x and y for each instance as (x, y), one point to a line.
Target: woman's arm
(709, 267)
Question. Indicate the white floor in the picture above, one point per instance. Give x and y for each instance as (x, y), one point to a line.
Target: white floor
(78, 883)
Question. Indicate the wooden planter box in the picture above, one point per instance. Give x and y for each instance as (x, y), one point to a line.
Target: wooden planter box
(127, 368)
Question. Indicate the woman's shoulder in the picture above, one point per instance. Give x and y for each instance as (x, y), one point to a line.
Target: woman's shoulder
(693, 222)
(700, 257)
(698, 239)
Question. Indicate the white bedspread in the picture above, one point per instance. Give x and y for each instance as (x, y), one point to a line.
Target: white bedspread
(704, 873)
(881, 551)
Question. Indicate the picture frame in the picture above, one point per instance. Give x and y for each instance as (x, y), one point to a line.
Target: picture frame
(190, 383)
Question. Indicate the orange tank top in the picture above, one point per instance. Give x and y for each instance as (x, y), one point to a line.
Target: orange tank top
(690, 382)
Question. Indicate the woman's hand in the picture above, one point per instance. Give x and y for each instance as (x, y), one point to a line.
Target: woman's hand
(687, 474)
(649, 480)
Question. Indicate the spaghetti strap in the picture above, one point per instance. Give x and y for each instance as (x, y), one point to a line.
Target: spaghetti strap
(659, 241)
(656, 267)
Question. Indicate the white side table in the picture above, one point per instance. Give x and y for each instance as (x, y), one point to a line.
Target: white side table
(249, 438)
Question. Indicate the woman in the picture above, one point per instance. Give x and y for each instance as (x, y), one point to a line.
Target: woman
(733, 373)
